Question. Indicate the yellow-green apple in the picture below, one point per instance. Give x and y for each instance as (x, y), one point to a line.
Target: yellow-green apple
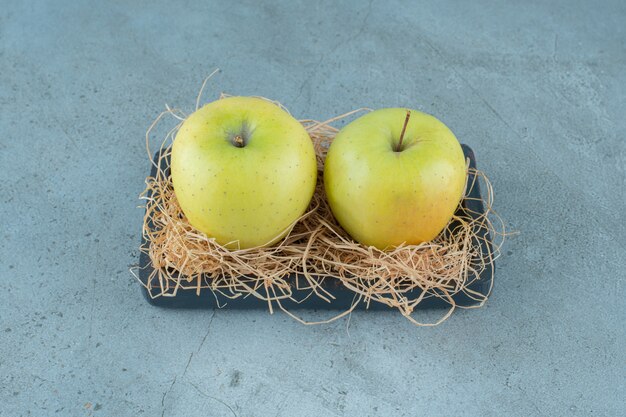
(243, 171)
(394, 176)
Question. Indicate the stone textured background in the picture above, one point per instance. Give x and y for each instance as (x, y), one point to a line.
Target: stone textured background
(536, 88)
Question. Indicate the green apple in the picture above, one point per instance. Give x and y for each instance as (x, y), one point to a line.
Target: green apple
(243, 171)
(394, 176)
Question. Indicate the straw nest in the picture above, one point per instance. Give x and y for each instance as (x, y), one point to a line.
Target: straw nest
(315, 248)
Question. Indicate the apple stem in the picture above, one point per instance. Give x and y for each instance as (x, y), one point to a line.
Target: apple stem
(238, 141)
(406, 122)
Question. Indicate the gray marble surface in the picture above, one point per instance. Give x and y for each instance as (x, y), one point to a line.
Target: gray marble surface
(536, 88)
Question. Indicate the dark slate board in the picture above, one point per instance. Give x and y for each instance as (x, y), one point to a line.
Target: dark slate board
(343, 297)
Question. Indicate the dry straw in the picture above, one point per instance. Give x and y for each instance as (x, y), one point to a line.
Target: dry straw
(315, 248)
